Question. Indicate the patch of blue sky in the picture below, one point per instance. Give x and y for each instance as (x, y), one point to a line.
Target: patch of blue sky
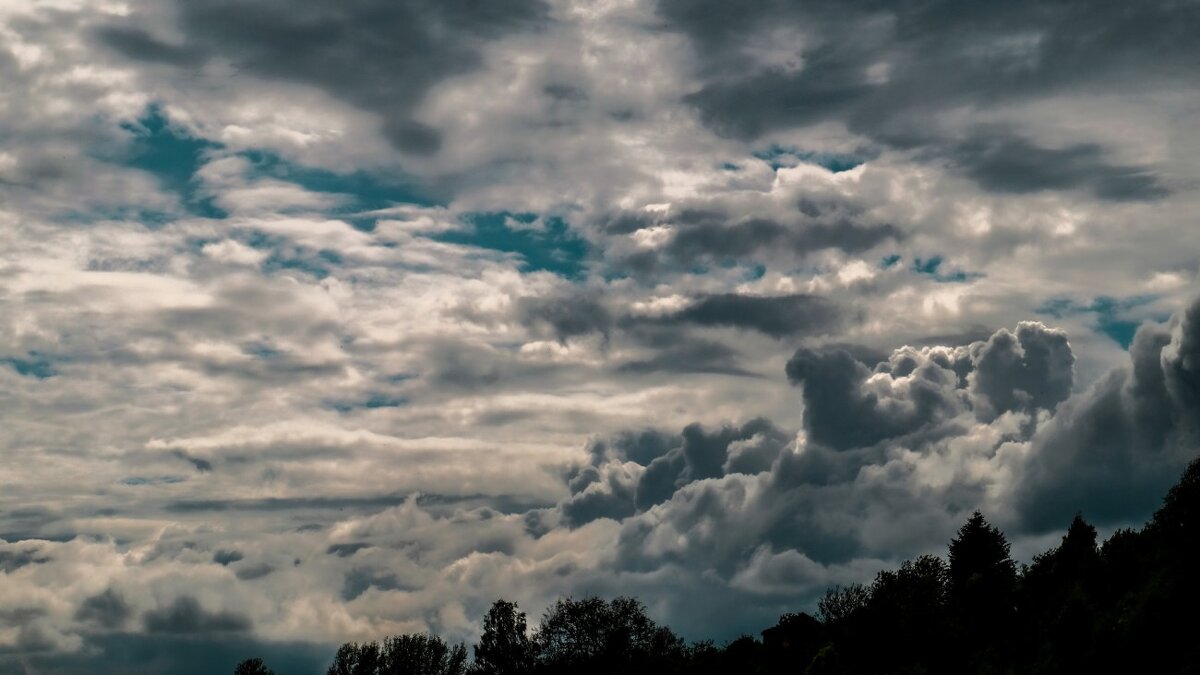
(285, 255)
(547, 244)
(152, 480)
(363, 192)
(889, 261)
(371, 402)
(296, 261)
(1112, 315)
(173, 156)
(261, 350)
(33, 364)
(932, 267)
(779, 156)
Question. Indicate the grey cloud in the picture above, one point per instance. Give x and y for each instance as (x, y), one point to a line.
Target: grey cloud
(847, 404)
(833, 502)
(227, 557)
(1029, 370)
(566, 316)
(641, 447)
(842, 414)
(709, 234)
(186, 616)
(359, 579)
(200, 464)
(1005, 163)
(255, 571)
(710, 240)
(378, 55)
(777, 316)
(12, 560)
(107, 609)
(606, 490)
(982, 55)
(464, 365)
(346, 550)
(141, 45)
(690, 355)
(612, 498)
(1114, 450)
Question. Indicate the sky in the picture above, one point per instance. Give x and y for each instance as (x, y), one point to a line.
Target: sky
(325, 320)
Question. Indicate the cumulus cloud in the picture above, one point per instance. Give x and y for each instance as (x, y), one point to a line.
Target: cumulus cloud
(1113, 450)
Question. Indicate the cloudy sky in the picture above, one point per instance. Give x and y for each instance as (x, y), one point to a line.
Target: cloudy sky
(322, 320)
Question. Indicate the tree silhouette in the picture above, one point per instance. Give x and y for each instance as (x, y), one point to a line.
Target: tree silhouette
(982, 585)
(504, 647)
(400, 655)
(356, 659)
(591, 635)
(252, 667)
(1058, 603)
(842, 602)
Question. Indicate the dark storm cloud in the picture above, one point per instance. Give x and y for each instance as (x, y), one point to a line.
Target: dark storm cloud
(777, 316)
(1116, 449)
(140, 45)
(605, 489)
(833, 499)
(107, 610)
(565, 316)
(841, 412)
(935, 56)
(186, 616)
(712, 235)
(849, 405)
(688, 355)
(641, 447)
(379, 55)
(711, 239)
(1033, 369)
(1006, 163)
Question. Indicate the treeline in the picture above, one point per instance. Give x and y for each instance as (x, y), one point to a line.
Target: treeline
(1128, 605)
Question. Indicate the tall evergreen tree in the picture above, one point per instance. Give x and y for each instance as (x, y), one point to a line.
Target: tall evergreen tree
(504, 647)
(982, 587)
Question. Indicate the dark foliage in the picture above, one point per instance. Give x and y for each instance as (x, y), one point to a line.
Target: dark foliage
(1127, 605)
(504, 647)
(594, 636)
(252, 667)
(401, 655)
